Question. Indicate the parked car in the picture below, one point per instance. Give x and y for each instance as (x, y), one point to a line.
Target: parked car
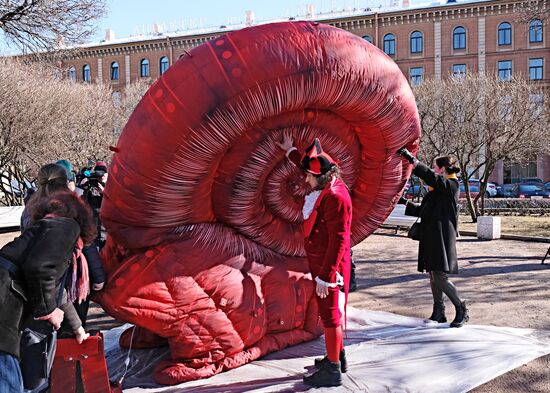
(506, 191)
(548, 185)
(490, 191)
(474, 190)
(534, 180)
(530, 190)
(415, 191)
(415, 188)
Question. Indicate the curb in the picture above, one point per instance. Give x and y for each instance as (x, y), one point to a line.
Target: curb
(536, 239)
(522, 238)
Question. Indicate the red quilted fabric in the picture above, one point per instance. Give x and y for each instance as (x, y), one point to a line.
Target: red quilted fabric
(205, 247)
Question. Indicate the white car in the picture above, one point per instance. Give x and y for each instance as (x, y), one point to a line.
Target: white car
(491, 190)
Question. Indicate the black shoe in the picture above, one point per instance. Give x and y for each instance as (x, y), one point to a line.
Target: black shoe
(321, 362)
(326, 376)
(438, 314)
(461, 315)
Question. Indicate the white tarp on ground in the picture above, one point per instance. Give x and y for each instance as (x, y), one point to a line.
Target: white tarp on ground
(386, 353)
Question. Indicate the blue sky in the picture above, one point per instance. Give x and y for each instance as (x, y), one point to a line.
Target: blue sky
(129, 17)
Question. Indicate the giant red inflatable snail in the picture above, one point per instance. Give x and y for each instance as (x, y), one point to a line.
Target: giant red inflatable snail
(204, 213)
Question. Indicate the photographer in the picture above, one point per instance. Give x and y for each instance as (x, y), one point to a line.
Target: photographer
(437, 244)
(93, 183)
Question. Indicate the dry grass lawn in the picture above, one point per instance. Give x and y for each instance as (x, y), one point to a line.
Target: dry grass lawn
(513, 225)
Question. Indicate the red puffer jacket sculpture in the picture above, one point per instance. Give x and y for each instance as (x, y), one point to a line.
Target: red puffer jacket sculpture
(203, 210)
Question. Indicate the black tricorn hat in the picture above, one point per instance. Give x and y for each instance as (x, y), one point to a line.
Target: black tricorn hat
(315, 160)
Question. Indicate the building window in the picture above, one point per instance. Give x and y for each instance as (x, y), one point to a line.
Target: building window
(114, 71)
(86, 73)
(459, 70)
(416, 42)
(368, 38)
(459, 38)
(505, 70)
(389, 44)
(535, 31)
(144, 68)
(536, 69)
(416, 75)
(515, 172)
(163, 64)
(72, 73)
(504, 34)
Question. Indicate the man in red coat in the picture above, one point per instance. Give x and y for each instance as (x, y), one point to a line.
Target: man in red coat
(327, 223)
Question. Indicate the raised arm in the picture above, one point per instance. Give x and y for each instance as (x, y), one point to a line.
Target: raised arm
(437, 182)
(291, 152)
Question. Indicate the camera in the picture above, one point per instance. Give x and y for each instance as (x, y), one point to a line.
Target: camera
(92, 183)
(91, 178)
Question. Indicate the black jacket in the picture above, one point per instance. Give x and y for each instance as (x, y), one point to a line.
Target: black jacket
(97, 274)
(439, 217)
(42, 253)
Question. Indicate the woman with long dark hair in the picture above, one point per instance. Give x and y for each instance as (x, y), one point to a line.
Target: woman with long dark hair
(33, 265)
(50, 181)
(439, 220)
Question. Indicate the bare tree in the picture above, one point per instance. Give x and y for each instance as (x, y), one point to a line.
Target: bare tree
(131, 97)
(47, 25)
(534, 9)
(481, 120)
(44, 118)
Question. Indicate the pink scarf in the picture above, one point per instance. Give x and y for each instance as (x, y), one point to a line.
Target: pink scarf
(78, 288)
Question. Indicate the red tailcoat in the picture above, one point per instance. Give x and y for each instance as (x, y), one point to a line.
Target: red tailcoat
(328, 243)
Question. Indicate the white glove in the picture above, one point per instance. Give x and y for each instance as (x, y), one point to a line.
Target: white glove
(321, 288)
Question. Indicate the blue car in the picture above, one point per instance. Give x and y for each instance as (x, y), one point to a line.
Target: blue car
(532, 190)
(416, 191)
(506, 190)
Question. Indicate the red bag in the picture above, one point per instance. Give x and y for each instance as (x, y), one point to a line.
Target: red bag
(93, 368)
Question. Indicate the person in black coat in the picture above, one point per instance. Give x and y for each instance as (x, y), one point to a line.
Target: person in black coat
(32, 267)
(90, 251)
(438, 231)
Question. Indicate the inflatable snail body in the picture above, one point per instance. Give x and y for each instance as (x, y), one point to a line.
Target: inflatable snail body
(203, 210)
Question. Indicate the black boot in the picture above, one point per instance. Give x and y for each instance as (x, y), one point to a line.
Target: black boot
(321, 362)
(438, 314)
(328, 375)
(461, 315)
